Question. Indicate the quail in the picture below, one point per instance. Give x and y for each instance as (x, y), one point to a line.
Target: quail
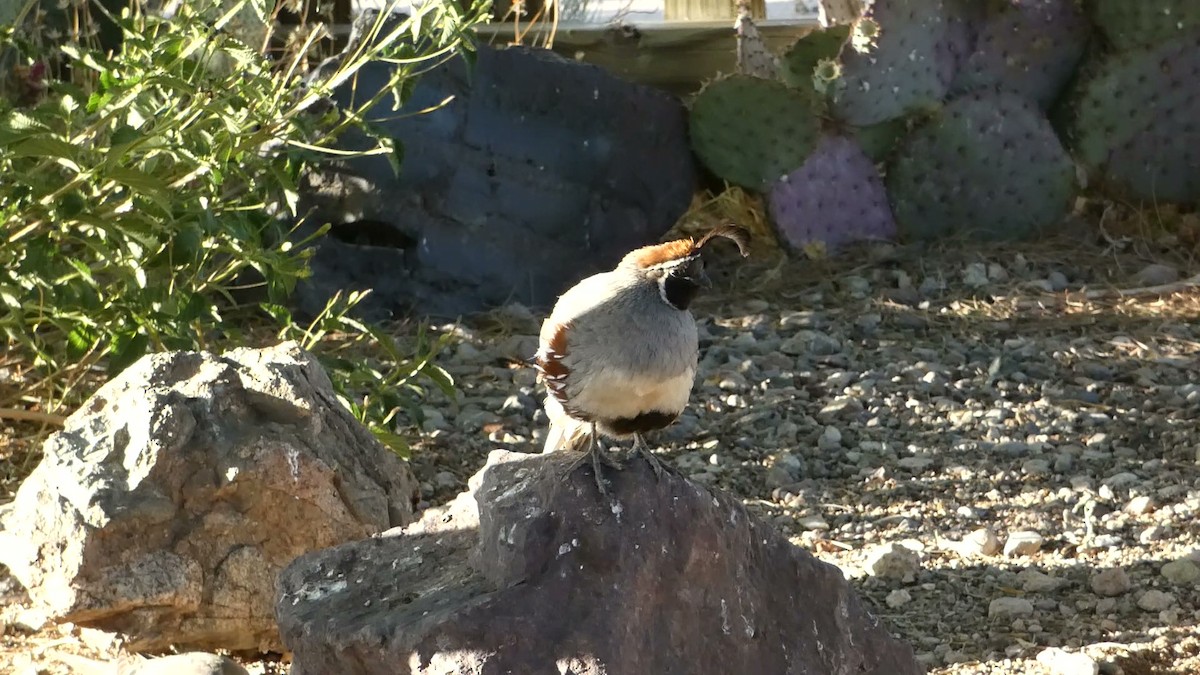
(617, 355)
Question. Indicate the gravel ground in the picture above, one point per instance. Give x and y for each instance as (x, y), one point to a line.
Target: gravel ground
(1007, 469)
(1012, 479)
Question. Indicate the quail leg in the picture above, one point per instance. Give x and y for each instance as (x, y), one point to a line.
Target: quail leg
(639, 444)
(595, 451)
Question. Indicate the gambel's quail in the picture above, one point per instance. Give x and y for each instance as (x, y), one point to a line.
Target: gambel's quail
(618, 353)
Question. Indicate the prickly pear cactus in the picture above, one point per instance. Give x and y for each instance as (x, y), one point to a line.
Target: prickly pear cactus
(753, 55)
(834, 198)
(878, 140)
(988, 165)
(1030, 47)
(901, 57)
(1137, 122)
(751, 131)
(802, 58)
(1130, 24)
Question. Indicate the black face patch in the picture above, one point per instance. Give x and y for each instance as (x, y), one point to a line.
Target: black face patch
(678, 291)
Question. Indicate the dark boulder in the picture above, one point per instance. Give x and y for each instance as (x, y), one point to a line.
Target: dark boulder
(527, 573)
(529, 172)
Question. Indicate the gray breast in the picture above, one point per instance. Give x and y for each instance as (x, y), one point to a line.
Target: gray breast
(639, 333)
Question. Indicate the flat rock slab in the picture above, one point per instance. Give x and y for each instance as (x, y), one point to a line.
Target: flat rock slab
(529, 573)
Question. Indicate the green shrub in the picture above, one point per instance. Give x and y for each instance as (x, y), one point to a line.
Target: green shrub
(143, 190)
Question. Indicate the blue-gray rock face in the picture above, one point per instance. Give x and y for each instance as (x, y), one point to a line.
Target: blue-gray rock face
(536, 172)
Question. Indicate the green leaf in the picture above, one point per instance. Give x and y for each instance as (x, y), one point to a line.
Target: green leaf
(124, 350)
(394, 442)
(45, 146)
(138, 180)
(80, 340)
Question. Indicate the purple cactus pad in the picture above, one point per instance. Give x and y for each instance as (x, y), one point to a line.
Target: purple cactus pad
(1030, 47)
(836, 197)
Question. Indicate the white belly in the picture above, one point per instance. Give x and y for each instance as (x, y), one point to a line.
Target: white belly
(611, 394)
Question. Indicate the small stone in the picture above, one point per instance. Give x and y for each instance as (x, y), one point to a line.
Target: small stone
(1025, 542)
(1156, 274)
(811, 342)
(1058, 281)
(1182, 572)
(1036, 581)
(1036, 467)
(830, 440)
(975, 275)
(1140, 506)
(1063, 462)
(894, 561)
(996, 272)
(1060, 662)
(1155, 600)
(1122, 480)
(980, 542)
(813, 523)
(898, 598)
(445, 480)
(777, 476)
(914, 464)
(1110, 582)
(1009, 608)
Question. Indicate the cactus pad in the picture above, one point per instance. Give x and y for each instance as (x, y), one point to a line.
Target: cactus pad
(1030, 47)
(987, 165)
(901, 57)
(751, 131)
(1137, 122)
(801, 59)
(878, 140)
(1130, 24)
(753, 55)
(835, 198)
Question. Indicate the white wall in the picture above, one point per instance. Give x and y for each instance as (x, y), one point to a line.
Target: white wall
(577, 12)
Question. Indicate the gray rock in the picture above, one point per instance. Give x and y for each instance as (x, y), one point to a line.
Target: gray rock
(528, 574)
(1058, 281)
(1155, 600)
(1009, 608)
(1182, 572)
(174, 496)
(1110, 582)
(976, 275)
(191, 663)
(1035, 581)
(1156, 274)
(811, 342)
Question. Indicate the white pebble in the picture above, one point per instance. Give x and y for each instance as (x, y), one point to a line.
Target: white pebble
(1024, 542)
(1061, 662)
(898, 598)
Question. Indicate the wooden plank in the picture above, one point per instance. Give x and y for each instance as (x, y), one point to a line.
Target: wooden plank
(709, 10)
(676, 56)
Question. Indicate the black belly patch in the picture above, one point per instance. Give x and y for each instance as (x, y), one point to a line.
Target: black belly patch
(651, 421)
